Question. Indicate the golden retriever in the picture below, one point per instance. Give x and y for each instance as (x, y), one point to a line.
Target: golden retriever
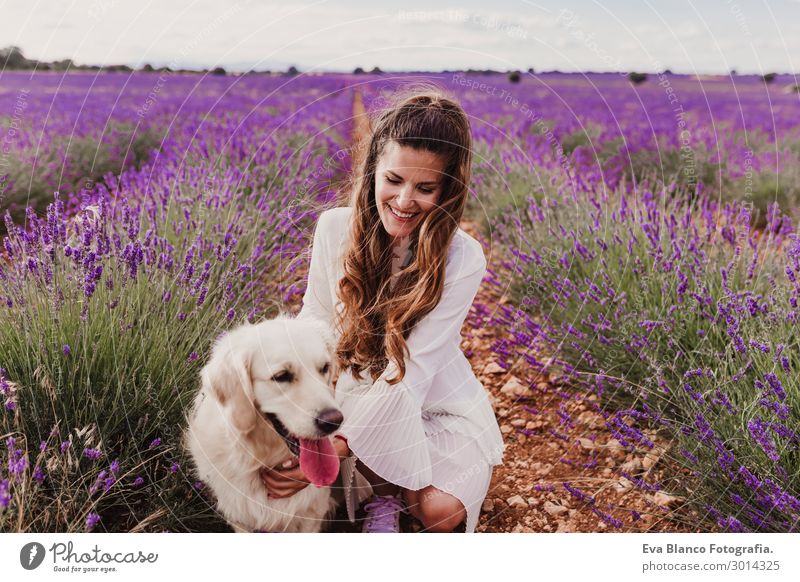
(267, 391)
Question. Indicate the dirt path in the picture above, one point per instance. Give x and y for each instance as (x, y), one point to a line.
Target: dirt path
(543, 452)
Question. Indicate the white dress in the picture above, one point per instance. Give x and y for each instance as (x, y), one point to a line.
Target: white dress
(436, 426)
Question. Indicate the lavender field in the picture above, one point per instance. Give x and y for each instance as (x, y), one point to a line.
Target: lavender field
(654, 265)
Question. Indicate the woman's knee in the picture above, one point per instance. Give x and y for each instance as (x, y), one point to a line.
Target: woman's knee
(440, 511)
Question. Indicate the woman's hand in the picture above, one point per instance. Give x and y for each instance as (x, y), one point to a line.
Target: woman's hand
(285, 480)
(288, 478)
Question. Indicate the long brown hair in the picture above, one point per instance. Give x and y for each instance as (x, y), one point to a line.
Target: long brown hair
(380, 308)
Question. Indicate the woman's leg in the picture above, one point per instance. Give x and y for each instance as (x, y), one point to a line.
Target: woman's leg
(438, 511)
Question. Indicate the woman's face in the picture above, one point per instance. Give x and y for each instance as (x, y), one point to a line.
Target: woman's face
(409, 182)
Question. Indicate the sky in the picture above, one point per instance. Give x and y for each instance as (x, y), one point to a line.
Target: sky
(685, 36)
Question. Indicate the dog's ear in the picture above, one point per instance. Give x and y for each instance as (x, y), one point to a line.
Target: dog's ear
(329, 338)
(227, 378)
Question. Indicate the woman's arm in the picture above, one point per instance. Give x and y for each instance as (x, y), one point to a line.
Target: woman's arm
(317, 298)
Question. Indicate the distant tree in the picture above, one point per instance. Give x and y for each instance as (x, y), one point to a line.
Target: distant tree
(292, 70)
(11, 57)
(531, 71)
(63, 65)
(734, 72)
(358, 71)
(119, 69)
(376, 71)
(637, 78)
(218, 71)
(514, 77)
(148, 68)
(769, 77)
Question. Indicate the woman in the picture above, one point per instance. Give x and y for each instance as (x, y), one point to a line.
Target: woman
(420, 428)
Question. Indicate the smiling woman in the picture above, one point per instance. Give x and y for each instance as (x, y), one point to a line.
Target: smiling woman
(408, 184)
(420, 429)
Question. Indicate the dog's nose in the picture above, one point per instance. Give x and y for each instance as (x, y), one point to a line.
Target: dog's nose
(329, 420)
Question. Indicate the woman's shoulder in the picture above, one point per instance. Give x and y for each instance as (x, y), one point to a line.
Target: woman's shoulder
(335, 218)
(466, 253)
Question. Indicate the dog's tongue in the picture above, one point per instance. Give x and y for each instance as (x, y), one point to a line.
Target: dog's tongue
(319, 461)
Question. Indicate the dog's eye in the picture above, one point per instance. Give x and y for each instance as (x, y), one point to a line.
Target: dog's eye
(325, 369)
(283, 377)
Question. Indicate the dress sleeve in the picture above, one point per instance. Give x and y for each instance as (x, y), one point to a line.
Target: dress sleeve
(317, 298)
(383, 424)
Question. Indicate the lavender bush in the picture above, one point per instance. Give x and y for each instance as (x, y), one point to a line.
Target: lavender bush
(110, 303)
(679, 317)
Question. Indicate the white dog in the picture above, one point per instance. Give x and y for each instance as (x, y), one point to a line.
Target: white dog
(267, 390)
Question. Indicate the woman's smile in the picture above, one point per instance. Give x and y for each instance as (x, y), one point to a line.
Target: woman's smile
(408, 184)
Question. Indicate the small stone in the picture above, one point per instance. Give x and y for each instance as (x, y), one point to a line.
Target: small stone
(587, 444)
(664, 500)
(532, 502)
(505, 429)
(514, 387)
(565, 527)
(615, 445)
(554, 509)
(517, 501)
(633, 466)
(601, 525)
(530, 425)
(649, 460)
(518, 422)
(493, 368)
(623, 485)
(488, 504)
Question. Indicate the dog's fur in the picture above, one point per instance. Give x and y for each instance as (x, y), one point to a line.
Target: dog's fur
(230, 439)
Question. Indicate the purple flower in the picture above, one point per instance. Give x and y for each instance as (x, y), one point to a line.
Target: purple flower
(156, 442)
(578, 494)
(607, 518)
(5, 495)
(92, 520)
(138, 482)
(776, 386)
(758, 430)
(93, 454)
(65, 445)
(67, 351)
(115, 466)
(174, 468)
(38, 474)
(193, 356)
